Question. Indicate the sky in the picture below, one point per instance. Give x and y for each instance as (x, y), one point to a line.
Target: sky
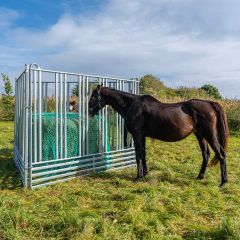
(182, 42)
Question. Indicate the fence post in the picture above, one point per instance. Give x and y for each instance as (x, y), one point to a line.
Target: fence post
(25, 124)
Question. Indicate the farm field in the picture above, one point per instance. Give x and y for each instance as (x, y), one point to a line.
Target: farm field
(169, 204)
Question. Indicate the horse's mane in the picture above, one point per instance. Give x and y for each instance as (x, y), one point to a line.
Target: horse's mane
(124, 94)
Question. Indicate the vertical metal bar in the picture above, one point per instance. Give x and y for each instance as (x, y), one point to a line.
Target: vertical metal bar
(23, 115)
(40, 115)
(99, 125)
(19, 115)
(106, 123)
(68, 94)
(61, 115)
(56, 111)
(16, 114)
(122, 119)
(111, 122)
(30, 128)
(65, 115)
(46, 97)
(79, 116)
(35, 114)
(133, 91)
(117, 116)
(42, 93)
(15, 111)
(26, 134)
(83, 116)
(87, 124)
(43, 104)
(24, 128)
(102, 123)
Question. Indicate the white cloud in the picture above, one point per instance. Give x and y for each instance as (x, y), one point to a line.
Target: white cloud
(184, 42)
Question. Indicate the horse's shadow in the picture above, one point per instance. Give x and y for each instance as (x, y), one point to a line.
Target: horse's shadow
(9, 176)
(112, 175)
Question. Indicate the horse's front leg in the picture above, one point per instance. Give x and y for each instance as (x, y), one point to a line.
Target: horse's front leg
(139, 143)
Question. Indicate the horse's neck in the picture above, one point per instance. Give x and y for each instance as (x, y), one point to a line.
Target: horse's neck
(118, 100)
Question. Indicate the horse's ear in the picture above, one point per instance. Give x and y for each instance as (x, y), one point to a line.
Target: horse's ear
(98, 87)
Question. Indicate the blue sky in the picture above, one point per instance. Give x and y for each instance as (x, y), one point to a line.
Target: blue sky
(184, 42)
(39, 15)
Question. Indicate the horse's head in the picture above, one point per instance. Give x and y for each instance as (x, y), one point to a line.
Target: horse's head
(96, 102)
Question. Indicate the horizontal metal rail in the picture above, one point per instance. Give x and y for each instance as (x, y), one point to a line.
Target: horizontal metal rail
(86, 75)
(77, 172)
(82, 175)
(81, 165)
(112, 153)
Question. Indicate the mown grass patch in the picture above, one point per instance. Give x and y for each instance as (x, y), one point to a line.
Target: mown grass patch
(169, 204)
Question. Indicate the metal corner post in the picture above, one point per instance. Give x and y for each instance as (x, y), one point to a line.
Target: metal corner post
(29, 109)
(25, 124)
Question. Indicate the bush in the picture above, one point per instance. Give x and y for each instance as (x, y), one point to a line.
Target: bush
(211, 91)
(188, 93)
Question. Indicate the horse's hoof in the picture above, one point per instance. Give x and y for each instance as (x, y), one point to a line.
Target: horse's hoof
(145, 174)
(200, 177)
(137, 179)
(223, 183)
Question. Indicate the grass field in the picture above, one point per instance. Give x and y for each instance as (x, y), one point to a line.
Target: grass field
(169, 204)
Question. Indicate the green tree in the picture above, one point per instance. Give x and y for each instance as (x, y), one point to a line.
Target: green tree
(7, 84)
(7, 100)
(211, 91)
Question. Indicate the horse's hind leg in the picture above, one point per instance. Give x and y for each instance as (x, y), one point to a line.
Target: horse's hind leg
(205, 154)
(221, 156)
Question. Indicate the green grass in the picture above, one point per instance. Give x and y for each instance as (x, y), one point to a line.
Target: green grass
(169, 204)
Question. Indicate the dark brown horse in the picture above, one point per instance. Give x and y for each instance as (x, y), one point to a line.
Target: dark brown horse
(145, 116)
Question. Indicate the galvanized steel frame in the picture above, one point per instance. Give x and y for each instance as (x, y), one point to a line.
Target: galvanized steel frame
(31, 92)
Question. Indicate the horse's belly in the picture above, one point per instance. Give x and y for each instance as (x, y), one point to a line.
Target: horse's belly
(170, 132)
(169, 136)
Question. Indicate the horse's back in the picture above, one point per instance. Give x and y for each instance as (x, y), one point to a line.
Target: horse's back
(174, 121)
(162, 121)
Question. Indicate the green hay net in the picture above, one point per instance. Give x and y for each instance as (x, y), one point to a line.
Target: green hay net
(72, 122)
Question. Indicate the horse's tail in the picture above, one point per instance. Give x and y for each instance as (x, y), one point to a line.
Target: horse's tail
(222, 128)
